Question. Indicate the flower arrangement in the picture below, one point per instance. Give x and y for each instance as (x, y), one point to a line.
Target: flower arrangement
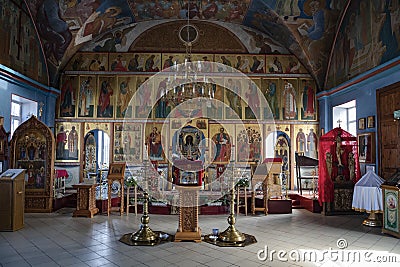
(130, 181)
(243, 182)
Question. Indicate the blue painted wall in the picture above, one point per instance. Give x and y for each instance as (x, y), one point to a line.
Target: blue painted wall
(363, 92)
(11, 82)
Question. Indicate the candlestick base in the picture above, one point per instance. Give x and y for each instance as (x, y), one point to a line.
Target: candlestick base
(373, 220)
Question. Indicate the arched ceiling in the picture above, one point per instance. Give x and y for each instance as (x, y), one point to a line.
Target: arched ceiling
(306, 28)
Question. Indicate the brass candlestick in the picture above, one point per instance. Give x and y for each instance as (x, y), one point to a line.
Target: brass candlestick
(145, 234)
(231, 235)
(373, 220)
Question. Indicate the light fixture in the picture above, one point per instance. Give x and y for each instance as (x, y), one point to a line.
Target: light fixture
(396, 114)
(41, 105)
(190, 85)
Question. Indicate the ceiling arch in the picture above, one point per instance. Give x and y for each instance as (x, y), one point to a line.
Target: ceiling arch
(305, 28)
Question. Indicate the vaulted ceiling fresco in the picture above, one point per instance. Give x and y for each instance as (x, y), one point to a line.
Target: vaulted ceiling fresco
(327, 36)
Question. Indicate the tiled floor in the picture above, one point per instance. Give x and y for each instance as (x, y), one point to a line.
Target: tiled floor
(58, 239)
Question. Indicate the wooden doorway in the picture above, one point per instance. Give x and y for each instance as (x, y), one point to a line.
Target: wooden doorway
(388, 100)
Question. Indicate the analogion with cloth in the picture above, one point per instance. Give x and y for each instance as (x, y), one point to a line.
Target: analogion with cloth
(367, 197)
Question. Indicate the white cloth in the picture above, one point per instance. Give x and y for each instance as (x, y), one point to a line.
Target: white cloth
(367, 194)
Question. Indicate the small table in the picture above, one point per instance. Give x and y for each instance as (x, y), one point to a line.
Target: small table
(86, 200)
(59, 183)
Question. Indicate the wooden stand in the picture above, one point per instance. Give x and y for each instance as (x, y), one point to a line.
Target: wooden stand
(116, 173)
(86, 201)
(12, 188)
(188, 229)
(121, 205)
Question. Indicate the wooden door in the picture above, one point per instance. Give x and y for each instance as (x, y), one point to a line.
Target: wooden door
(388, 100)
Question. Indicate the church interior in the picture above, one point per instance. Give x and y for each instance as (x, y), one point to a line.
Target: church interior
(138, 131)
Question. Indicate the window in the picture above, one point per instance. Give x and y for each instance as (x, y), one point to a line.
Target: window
(103, 148)
(21, 110)
(344, 115)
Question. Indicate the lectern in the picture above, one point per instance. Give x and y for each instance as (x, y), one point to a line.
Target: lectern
(12, 198)
(85, 202)
(188, 229)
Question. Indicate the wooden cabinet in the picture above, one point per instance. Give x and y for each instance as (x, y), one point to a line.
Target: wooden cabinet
(32, 148)
(86, 201)
(12, 188)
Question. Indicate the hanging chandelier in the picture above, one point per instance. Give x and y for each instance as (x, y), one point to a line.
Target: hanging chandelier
(190, 82)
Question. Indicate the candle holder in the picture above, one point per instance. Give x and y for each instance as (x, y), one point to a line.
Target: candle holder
(145, 234)
(231, 234)
(373, 220)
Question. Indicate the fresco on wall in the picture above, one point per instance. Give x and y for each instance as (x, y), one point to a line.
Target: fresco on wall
(262, 17)
(307, 27)
(360, 48)
(201, 9)
(20, 50)
(115, 41)
(233, 38)
(62, 25)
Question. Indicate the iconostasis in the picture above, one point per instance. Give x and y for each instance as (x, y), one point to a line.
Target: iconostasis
(148, 127)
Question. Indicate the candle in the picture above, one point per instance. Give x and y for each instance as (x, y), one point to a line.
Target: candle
(313, 183)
